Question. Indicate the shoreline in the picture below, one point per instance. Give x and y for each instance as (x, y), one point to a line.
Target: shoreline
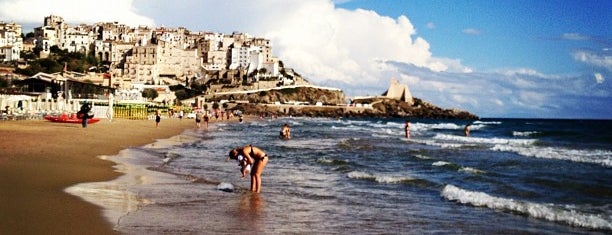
(115, 196)
(39, 160)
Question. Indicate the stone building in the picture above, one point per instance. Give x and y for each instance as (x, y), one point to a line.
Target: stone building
(398, 91)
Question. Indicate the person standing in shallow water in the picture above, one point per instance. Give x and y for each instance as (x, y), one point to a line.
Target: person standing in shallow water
(198, 119)
(407, 129)
(257, 158)
(466, 130)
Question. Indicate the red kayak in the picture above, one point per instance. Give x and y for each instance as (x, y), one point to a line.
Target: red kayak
(72, 119)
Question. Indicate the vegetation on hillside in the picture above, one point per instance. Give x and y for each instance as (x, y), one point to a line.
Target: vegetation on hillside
(73, 61)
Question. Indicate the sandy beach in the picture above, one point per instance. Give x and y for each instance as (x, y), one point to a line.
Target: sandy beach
(39, 159)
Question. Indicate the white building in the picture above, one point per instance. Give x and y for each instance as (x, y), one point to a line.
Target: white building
(76, 41)
(10, 42)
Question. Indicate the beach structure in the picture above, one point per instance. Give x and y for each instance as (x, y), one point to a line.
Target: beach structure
(398, 91)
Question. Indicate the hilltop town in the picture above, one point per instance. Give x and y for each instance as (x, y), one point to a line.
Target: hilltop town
(128, 61)
(154, 56)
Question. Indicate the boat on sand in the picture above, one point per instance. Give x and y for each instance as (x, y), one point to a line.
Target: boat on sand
(69, 119)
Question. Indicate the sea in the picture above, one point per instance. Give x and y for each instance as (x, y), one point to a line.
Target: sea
(362, 176)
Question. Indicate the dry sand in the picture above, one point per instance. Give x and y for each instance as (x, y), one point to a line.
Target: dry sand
(39, 159)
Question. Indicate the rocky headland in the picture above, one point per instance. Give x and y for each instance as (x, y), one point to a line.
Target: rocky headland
(316, 102)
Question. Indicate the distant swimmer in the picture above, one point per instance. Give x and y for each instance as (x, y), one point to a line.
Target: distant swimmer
(285, 132)
(255, 157)
(466, 130)
(407, 129)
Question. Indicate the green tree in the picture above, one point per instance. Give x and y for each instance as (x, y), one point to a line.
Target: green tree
(150, 93)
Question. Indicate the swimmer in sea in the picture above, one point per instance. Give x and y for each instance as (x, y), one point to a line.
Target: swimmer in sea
(466, 130)
(407, 129)
(255, 157)
(285, 132)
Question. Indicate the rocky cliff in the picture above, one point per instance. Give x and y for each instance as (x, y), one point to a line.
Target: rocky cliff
(334, 105)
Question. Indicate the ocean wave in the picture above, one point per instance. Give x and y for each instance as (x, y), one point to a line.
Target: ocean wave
(458, 168)
(347, 128)
(439, 126)
(419, 156)
(487, 123)
(330, 161)
(524, 133)
(597, 156)
(472, 170)
(441, 163)
(557, 213)
(480, 140)
(169, 157)
(445, 145)
(385, 179)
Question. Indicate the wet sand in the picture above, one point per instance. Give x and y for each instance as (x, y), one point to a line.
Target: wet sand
(39, 159)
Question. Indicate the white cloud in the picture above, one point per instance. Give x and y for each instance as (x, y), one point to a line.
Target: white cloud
(599, 78)
(574, 37)
(73, 11)
(601, 59)
(430, 25)
(471, 31)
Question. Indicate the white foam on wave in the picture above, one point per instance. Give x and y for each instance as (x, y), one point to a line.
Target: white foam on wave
(480, 140)
(349, 127)
(487, 123)
(441, 163)
(385, 179)
(524, 133)
(472, 170)
(557, 213)
(422, 156)
(597, 156)
(115, 196)
(445, 126)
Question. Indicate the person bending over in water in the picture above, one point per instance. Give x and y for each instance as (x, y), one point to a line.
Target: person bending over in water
(285, 132)
(257, 158)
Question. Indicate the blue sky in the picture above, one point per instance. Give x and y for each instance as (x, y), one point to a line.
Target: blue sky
(507, 33)
(501, 58)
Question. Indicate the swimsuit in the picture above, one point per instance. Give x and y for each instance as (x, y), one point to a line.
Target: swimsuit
(253, 153)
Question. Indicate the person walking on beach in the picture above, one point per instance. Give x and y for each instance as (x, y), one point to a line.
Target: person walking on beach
(407, 129)
(157, 118)
(84, 113)
(285, 132)
(257, 158)
(198, 118)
